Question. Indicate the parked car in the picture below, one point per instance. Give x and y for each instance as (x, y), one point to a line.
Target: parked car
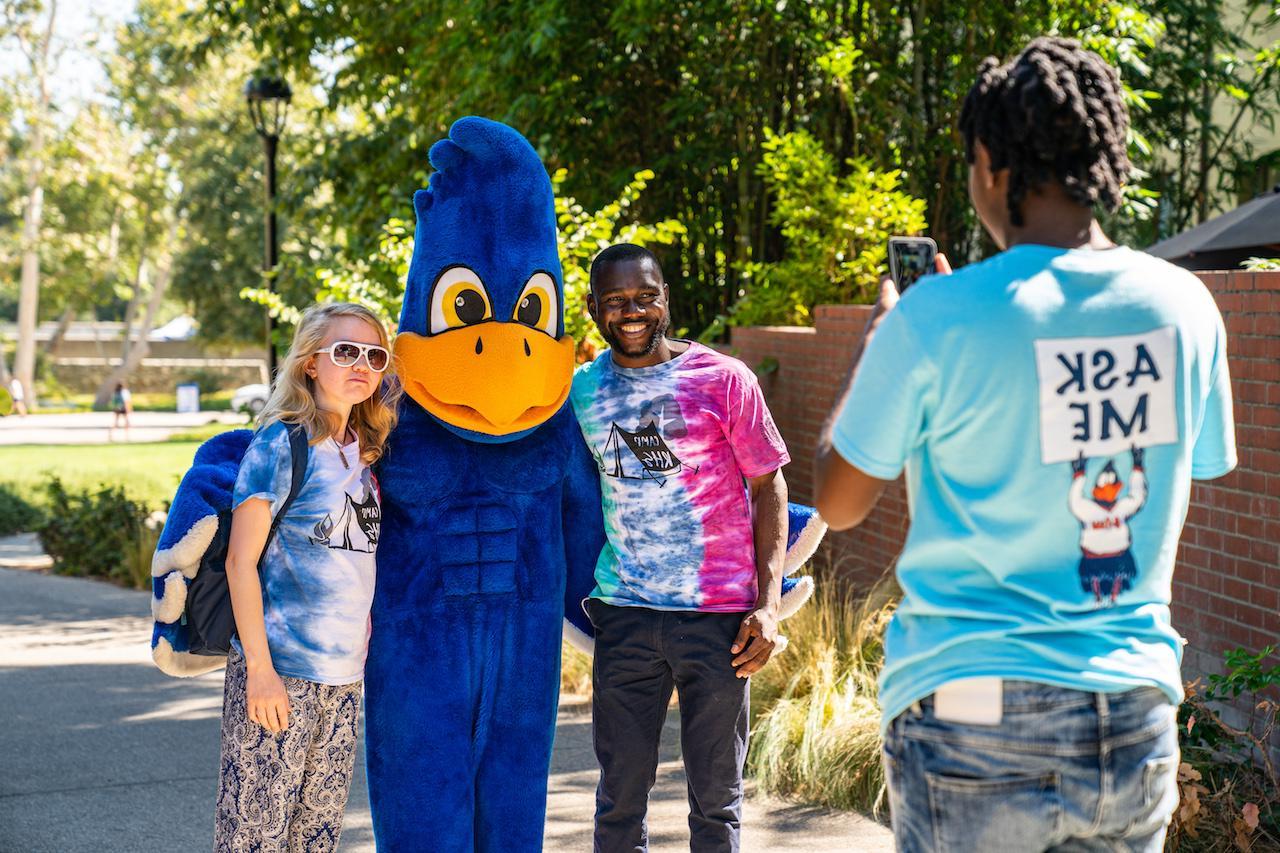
(250, 398)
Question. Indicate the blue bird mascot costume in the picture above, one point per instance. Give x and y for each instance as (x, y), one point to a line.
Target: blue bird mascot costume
(491, 524)
(491, 512)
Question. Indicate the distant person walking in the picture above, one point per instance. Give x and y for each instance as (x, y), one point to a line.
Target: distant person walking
(19, 395)
(122, 405)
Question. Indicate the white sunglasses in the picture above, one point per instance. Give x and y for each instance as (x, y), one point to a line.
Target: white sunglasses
(347, 353)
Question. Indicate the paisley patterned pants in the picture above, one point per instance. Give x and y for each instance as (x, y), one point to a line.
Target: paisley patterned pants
(285, 793)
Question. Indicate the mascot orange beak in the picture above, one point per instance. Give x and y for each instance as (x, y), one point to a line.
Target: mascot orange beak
(493, 378)
(1108, 492)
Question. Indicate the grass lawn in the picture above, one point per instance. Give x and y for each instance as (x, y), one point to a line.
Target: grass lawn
(148, 472)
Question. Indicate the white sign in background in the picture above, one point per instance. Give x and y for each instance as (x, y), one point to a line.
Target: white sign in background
(1101, 396)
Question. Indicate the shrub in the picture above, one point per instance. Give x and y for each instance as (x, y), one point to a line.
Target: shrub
(97, 533)
(836, 228)
(17, 514)
(816, 733)
(1229, 787)
(575, 672)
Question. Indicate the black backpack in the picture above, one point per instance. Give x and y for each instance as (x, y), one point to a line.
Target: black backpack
(208, 618)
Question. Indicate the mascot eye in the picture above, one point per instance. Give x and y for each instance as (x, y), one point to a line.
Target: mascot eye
(458, 299)
(469, 306)
(538, 305)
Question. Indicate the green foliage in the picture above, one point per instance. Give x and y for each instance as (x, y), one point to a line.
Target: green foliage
(1228, 782)
(691, 88)
(1262, 264)
(98, 532)
(17, 514)
(836, 227)
(1210, 82)
(377, 281)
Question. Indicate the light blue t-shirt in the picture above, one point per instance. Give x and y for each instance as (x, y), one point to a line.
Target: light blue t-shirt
(318, 572)
(1051, 408)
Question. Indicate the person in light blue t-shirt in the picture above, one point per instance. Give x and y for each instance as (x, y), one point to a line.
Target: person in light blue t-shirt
(1050, 406)
(301, 590)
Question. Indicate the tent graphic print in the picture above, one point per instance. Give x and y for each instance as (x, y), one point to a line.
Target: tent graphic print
(356, 529)
(640, 455)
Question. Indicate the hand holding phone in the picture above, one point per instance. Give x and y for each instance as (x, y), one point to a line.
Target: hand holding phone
(909, 259)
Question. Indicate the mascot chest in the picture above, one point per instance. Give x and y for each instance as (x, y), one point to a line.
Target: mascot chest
(463, 519)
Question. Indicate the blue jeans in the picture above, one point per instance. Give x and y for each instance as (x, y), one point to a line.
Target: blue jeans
(1065, 770)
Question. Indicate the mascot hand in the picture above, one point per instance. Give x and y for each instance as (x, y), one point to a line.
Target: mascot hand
(1137, 453)
(1077, 465)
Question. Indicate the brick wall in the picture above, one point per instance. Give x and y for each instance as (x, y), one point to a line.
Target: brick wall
(1227, 583)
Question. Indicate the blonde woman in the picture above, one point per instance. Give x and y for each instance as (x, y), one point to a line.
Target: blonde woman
(295, 670)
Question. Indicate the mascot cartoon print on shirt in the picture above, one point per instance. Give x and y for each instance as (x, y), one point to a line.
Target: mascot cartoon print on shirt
(1106, 562)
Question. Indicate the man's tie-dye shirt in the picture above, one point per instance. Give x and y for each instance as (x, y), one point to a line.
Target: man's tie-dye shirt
(675, 443)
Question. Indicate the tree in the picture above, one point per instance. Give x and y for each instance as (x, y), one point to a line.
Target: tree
(692, 89)
(1209, 86)
(34, 38)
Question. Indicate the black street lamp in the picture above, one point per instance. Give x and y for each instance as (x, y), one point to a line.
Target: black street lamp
(268, 99)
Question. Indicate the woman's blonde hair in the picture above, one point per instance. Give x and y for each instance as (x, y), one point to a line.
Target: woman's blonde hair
(293, 398)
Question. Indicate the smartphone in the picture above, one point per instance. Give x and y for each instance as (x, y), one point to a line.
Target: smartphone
(910, 258)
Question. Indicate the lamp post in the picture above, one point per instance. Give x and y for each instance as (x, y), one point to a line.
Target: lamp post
(268, 99)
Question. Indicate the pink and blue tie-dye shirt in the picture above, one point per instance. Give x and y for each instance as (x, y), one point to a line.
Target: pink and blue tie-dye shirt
(675, 442)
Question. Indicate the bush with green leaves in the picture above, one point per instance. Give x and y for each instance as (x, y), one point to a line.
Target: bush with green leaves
(1228, 782)
(96, 533)
(836, 224)
(17, 514)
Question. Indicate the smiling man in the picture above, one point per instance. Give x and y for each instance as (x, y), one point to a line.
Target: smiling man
(688, 584)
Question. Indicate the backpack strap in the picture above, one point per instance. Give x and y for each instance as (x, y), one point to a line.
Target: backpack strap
(298, 448)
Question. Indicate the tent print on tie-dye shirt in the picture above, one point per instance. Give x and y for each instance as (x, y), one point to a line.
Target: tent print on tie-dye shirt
(357, 527)
(640, 455)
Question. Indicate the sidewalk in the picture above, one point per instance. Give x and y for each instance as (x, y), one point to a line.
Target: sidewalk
(103, 753)
(95, 427)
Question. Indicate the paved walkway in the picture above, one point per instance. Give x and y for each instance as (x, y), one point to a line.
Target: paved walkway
(104, 754)
(95, 427)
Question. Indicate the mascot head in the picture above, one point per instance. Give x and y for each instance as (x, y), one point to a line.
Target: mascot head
(1108, 485)
(482, 346)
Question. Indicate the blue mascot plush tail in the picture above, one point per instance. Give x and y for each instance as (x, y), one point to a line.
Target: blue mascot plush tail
(191, 527)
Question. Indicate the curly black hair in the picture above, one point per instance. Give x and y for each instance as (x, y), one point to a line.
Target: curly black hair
(1056, 113)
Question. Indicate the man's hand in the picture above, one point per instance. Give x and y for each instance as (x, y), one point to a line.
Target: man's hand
(755, 643)
(267, 699)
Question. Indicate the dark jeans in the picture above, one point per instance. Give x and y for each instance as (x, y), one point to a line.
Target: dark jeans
(640, 655)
